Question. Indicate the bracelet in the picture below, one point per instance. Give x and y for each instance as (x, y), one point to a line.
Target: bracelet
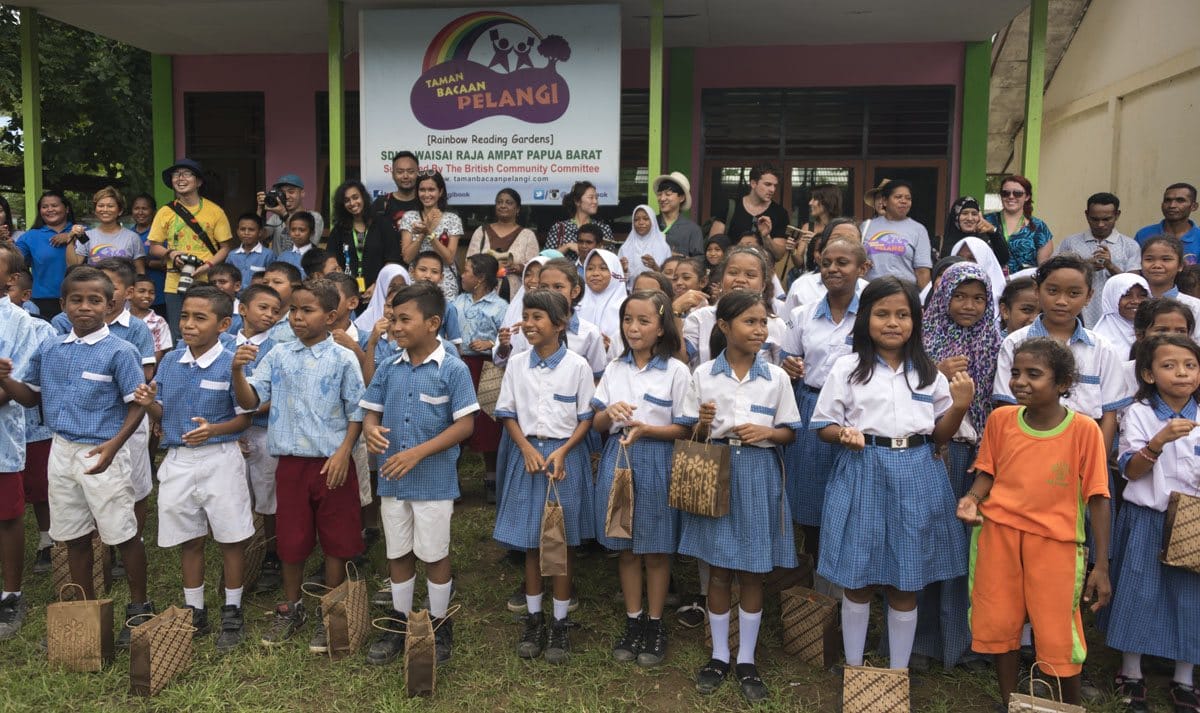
(1156, 453)
(976, 497)
(1147, 454)
(681, 314)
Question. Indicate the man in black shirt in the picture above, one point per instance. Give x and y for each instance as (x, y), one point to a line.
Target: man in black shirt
(757, 211)
(382, 244)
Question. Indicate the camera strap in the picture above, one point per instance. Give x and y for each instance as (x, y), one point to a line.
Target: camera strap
(190, 220)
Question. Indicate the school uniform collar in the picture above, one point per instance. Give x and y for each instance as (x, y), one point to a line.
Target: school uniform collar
(489, 297)
(823, 309)
(573, 324)
(1164, 412)
(123, 318)
(908, 365)
(437, 356)
(89, 340)
(656, 361)
(757, 369)
(550, 362)
(256, 340)
(352, 331)
(5, 301)
(243, 251)
(1037, 329)
(302, 250)
(318, 349)
(1173, 293)
(206, 359)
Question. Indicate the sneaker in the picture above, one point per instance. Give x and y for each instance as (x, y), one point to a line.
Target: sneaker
(1184, 698)
(12, 615)
(918, 663)
(443, 638)
(387, 647)
(558, 645)
(42, 564)
(319, 643)
(383, 595)
(711, 675)
(199, 622)
(654, 644)
(288, 620)
(135, 615)
(1132, 693)
(753, 688)
(233, 628)
(692, 614)
(629, 645)
(533, 638)
(270, 577)
(516, 601)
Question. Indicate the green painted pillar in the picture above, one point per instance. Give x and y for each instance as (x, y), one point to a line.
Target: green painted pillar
(679, 109)
(31, 112)
(162, 126)
(337, 100)
(973, 150)
(654, 163)
(1031, 150)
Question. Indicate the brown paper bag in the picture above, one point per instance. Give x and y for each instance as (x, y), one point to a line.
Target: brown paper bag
(618, 521)
(1022, 703)
(552, 548)
(159, 650)
(1181, 532)
(810, 626)
(488, 392)
(700, 478)
(866, 689)
(79, 634)
(344, 611)
(60, 568)
(420, 655)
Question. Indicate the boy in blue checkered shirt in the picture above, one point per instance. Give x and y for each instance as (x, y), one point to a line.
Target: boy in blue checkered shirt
(202, 482)
(314, 387)
(419, 407)
(85, 383)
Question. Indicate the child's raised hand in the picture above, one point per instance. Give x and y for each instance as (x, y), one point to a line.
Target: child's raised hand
(144, 394)
(6, 368)
(968, 511)
(1098, 589)
(620, 412)
(1175, 429)
(198, 435)
(607, 342)
(505, 337)
(952, 365)
(689, 301)
(852, 438)
(377, 442)
(381, 326)
(648, 261)
(708, 412)
(624, 264)
(962, 389)
(244, 355)
(794, 366)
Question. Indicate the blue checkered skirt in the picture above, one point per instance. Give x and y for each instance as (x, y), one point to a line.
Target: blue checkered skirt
(808, 461)
(655, 524)
(756, 535)
(1155, 609)
(519, 512)
(889, 519)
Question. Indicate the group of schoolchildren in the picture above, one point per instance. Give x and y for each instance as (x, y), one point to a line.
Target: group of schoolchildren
(951, 453)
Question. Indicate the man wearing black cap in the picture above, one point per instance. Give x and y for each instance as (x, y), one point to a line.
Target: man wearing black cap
(674, 194)
(187, 227)
(290, 188)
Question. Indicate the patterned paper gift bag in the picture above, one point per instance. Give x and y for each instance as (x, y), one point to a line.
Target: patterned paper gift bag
(1181, 532)
(79, 634)
(159, 650)
(700, 478)
(344, 611)
(60, 568)
(866, 689)
(1021, 703)
(552, 546)
(618, 521)
(810, 626)
(488, 392)
(420, 655)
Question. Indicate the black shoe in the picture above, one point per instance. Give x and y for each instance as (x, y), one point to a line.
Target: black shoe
(12, 615)
(233, 629)
(135, 615)
(42, 564)
(288, 620)
(270, 577)
(692, 614)
(654, 644)
(443, 638)
(319, 643)
(533, 638)
(1132, 693)
(558, 645)
(390, 645)
(199, 622)
(1184, 698)
(629, 645)
(711, 675)
(753, 688)
(516, 601)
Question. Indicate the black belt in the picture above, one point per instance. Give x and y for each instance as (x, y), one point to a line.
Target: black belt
(898, 444)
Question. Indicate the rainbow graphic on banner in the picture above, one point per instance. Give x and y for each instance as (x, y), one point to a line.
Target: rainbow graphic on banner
(456, 40)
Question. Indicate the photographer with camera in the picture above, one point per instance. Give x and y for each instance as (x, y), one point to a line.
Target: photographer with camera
(278, 204)
(189, 234)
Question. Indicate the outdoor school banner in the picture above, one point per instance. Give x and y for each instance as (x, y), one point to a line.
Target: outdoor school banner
(526, 97)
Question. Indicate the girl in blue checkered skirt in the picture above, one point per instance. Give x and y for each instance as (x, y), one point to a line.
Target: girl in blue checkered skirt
(639, 402)
(888, 519)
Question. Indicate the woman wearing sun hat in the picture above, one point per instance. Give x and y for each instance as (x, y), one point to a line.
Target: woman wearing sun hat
(674, 193)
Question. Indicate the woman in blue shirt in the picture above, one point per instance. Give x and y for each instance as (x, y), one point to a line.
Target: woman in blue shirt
(45, 246)
(1029, 239)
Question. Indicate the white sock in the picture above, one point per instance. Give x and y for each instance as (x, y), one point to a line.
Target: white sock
(855, 619)
(747, 634)
(533, 602)
(702, 568)
(5, 595)
(194, 597)
(560, 608)
(719, 625)
(402, 595)
(634, 615)
(902, 629)
(1183, 673)
(1027, 634)
(1131, 665)
(44, 540)
(439, 598)
(233, 597)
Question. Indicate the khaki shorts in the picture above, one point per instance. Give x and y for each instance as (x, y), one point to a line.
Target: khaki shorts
(418, 526)
(81, 504)
(200, 490)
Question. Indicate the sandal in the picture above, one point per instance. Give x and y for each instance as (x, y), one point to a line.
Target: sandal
(710, 676)
(1132, 692)
(753, 688)
(1184, 698)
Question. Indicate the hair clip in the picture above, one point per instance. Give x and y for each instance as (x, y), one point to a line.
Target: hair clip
(660, 310)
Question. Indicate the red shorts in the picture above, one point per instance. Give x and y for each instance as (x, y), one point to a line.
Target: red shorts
(12, 497)
(37, 455)
(306, 509)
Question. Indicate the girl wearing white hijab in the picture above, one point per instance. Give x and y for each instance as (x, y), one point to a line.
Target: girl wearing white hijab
(981, 254)
(645, 240)
(1113, 325)
(516, 305)
(603, 293)
(374, 311)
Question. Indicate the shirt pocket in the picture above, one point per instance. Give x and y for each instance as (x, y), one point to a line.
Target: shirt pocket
(434, 407)
(564, 408)
(95, 389)
(215, 399)
(657, 410)
(762, 415)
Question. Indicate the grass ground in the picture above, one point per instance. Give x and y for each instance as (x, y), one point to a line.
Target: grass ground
(485, 673)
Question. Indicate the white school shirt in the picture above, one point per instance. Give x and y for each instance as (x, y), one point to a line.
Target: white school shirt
(817, 339)
(1101, 386)
(1177, 469)
(809, 288)
(1191, 303)
(764, 398)
(698, 327)
(889, 404)
(657, 390)
(583, 338)
(548, 397)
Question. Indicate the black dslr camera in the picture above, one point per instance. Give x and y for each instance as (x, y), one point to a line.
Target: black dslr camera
(273, 198)
(187, 271)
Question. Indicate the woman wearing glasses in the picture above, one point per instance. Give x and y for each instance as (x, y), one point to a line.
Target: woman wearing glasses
(1028, 238)
(433, 228)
